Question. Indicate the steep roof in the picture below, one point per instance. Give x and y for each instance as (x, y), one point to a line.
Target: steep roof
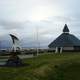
(65, 29)
(65, 40)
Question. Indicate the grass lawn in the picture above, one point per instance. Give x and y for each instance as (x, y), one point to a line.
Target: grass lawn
(64, 66)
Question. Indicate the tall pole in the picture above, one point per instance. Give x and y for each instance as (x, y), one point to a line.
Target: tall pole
(0, 45)
(37, 40)
(38, 43)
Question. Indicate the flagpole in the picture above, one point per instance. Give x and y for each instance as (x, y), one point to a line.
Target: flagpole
(38, 43)
(37, 40)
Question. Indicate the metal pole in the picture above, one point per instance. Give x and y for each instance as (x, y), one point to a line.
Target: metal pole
(38, 43)
(37, 39)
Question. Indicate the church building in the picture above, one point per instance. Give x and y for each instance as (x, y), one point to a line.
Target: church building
(65, 42)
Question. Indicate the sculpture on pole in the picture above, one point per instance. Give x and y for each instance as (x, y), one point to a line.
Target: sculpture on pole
(14, 59)
(15, 41)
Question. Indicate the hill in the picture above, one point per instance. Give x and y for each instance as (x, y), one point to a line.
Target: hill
(64, 66)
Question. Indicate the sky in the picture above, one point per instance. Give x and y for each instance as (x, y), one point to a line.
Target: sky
(38, 22)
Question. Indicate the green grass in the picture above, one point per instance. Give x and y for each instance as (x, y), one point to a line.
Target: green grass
(64, 66)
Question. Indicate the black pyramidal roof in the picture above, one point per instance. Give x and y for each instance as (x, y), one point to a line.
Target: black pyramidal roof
(65, 40)
(65, 28)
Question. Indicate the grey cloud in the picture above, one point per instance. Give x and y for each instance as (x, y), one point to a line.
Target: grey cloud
(10, 25)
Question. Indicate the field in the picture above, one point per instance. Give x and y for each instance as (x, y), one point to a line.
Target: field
(65, 66)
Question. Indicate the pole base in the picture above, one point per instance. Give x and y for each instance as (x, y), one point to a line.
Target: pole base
(14, 60)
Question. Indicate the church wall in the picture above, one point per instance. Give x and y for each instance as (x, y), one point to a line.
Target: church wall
(68, 48)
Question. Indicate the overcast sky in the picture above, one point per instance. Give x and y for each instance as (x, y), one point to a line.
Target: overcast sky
(25, 18)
